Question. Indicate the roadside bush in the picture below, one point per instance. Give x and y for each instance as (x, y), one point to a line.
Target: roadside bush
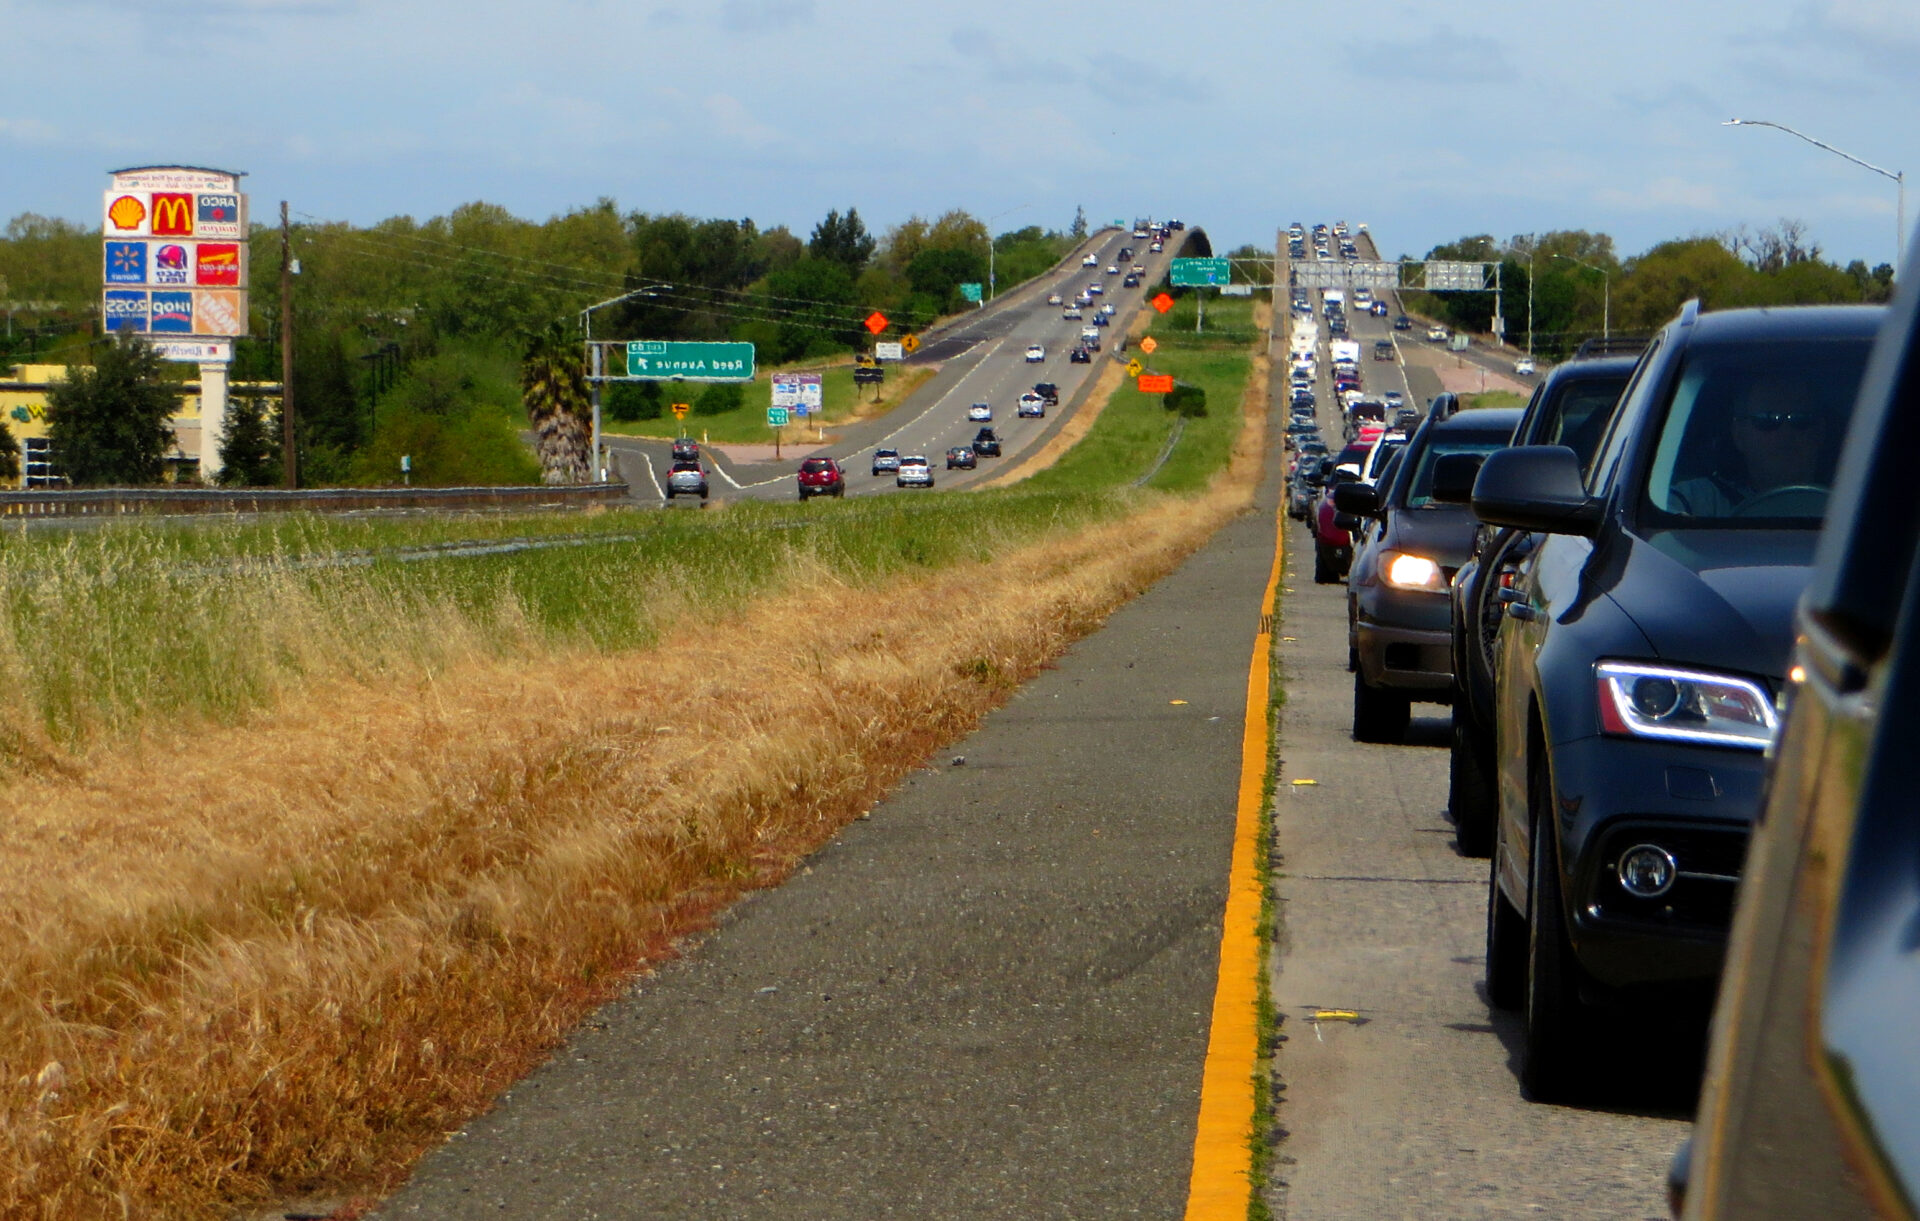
(1187, 400)
(719, 399)
(626, 401)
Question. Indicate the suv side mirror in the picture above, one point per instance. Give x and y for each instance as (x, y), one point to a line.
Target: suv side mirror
(1535, 487)
(1453, 476)
(1358, 499)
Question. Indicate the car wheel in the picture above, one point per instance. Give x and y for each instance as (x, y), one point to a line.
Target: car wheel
(1470, 792)
(1323, 570)
(1379, 715)
(703, 495)
(669, 493)
(1506, 943)
(1554, 1016)
(803, 498)
(839, 492)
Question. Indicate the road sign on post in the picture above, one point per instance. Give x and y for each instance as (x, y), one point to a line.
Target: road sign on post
(1161, 302)
(680, 410)
(776, 417)
(1156, 383)
(1199, 273)
(876, 322)
(910, 343)
(1133, 368)
(1148, 345)
(671, 360)
(970, 292)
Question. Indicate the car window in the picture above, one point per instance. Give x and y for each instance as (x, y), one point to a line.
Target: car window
(1752, 432)
(1614, 438)
(814, 466)
(1420, 488)
(1581, 416)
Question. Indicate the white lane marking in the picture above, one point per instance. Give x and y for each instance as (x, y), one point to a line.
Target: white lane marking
(651, 477)
(722, 472)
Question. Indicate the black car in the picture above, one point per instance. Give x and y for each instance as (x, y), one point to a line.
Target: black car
(1080, 356)
(1130, 281)
(1399, 615)
(1645, 643)
(1570, 407)
(1811, 1104)
(986, 443)
(962, 457)
(1048, 392)
(1403, 323)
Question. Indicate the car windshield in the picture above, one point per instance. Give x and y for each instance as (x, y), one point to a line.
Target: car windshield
(1752, 433)
(1420, 490)
(814, 466)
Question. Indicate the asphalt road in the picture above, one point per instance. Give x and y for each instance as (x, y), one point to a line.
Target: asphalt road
(1400, 1087)
(989, 999)
(981, 359)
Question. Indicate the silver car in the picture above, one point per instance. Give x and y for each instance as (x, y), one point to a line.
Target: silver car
(915, 471)
(687, 479)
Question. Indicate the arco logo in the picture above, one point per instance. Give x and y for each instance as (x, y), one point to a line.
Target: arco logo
(126, 213)
(172, 215)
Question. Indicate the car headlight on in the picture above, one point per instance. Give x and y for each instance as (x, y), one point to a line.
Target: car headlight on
(1651, 701)
(1406, 571)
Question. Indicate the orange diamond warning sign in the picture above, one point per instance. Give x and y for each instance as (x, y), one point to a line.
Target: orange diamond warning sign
(876, 322)
(1162, 302)
(1148, 344)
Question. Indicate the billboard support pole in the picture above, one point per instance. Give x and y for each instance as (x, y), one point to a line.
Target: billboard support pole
(598, 475)
(289, 459)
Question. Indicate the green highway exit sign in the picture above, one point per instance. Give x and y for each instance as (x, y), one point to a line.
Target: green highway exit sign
(1199, 273)
(668, 360)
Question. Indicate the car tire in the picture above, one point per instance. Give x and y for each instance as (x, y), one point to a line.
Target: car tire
(803, 498)
(669, 493)
(1555, 1019)
(1379, 715)
(703, 495)
(1470, 792)
(1506, 944)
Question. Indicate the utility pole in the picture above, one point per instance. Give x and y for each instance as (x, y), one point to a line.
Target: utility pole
(290, 471)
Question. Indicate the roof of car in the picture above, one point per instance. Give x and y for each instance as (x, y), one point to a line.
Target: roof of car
(1794, 321)
(1480, 420)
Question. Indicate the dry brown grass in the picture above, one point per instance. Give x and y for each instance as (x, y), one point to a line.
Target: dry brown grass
(294, 953)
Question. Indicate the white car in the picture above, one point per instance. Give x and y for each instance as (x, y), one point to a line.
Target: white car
(1032, 405)
(1095, 289)
(915, 472)
(979, 413)
(1071, 312)
(1113, 269)
(1107, 309)
(1362, 297)
(1156, 248)
(1053, 298)
(1035, 353)
(1090, 261)
(1437, 334)
(1524, 366)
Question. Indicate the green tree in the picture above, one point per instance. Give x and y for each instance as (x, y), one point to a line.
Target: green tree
(111, 423)
(249, 445)
(9, 454)
(1078, 230)
(843, 240)
(553, 383)
(625, 401)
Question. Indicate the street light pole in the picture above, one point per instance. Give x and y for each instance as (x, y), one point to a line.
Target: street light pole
(1899, 177)
(989, 227)
(596, 378)
(1606, 294)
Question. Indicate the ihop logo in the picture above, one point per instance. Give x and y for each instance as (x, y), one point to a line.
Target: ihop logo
(171, 314)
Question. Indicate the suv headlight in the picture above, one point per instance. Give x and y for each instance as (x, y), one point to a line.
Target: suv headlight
(1405, 571)
(1651, 701)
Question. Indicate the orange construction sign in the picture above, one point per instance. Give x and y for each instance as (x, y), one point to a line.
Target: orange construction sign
(1148, 344)
(1156, 383)
(876, 322)
(1163, 303)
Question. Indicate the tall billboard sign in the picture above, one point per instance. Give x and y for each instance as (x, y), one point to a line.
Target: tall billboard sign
(175, 256)
(174, 268)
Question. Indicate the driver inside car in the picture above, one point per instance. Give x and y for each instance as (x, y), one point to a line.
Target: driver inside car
(1776, 437)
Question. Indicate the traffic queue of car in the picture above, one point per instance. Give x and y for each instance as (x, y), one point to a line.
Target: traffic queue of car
(1601, 590)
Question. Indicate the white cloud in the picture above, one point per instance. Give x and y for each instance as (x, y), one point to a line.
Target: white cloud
(1664, 194)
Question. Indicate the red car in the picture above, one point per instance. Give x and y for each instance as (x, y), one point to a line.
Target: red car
(1333, 546)
(821, 477)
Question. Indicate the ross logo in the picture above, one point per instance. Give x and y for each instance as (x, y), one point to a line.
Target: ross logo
(172, 215)
(126, 262)
(126, 213)
(171, 314)
(218, 265)
(170, 264)
(220, 313)
(125, 310)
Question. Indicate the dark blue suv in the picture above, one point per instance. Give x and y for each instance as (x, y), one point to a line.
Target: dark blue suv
(1644, 644)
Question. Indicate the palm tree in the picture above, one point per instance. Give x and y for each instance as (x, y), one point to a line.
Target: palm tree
(553, 384)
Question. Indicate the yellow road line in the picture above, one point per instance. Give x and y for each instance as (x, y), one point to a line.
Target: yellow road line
(1222, 1184)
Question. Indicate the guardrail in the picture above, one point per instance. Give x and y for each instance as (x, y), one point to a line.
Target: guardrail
(122, 502)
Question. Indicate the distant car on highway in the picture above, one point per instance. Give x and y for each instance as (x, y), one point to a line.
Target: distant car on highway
(1035, 353)
(1130, 281)
(1048, 392)
(961, 456)
(1090, 261)
(1437, 333)
(886, 461)
(1071, 313)
(980, 412)
(687, 479)
(1080, 356)
(1403, 323)
(915, 472)
(1096, 289)
(1031, 405)
(686, 449)
(1524, 366)
(986, 443)
(1053, 298)
(1108, 308)
(821, 477)
(1113, 269)
(1378, 309)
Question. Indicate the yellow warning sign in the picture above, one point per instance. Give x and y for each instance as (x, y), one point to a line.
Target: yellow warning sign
(910, 343)
(1133, 368)
(680, 410)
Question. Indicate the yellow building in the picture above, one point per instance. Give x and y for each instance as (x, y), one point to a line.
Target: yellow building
(23, 405)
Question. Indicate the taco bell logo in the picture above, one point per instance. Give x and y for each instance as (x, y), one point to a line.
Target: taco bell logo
(125, 310)
(170, 264)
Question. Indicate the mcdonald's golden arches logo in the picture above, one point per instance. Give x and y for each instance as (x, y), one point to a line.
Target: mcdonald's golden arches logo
(172, 215)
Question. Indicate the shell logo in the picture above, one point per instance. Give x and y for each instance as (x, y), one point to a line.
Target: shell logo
(127, 212)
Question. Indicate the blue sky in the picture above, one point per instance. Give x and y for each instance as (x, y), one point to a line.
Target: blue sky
(1426, 120)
